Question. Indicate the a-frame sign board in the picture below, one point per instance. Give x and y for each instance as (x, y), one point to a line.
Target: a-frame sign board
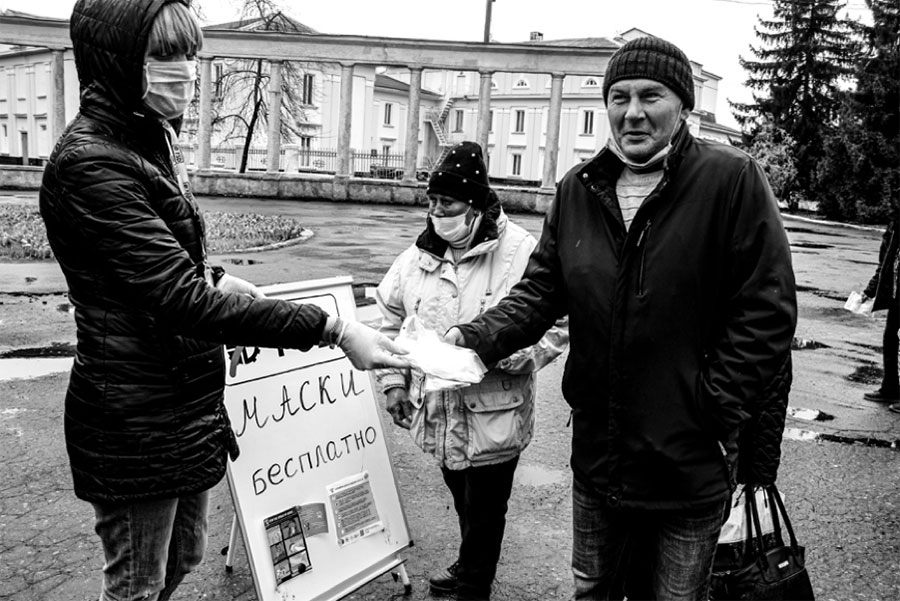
(314, 490)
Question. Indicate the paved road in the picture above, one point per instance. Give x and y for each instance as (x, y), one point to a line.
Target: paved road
(842, 495)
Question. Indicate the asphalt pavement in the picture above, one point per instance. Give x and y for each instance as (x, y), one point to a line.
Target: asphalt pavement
(840, 468)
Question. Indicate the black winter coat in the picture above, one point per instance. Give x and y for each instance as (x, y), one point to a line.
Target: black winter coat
(143, 416)
(680, 328)
(883, 287)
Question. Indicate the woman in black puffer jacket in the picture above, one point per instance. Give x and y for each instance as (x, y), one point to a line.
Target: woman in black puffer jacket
(146, 431)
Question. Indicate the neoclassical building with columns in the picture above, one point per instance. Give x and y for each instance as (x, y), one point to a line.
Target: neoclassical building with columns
(366, 102)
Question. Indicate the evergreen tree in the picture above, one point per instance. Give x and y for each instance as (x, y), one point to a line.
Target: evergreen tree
(772, 149)
(859, 176)
(806, 51)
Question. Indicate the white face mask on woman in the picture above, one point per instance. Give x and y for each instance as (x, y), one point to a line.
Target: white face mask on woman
(169, 86)
(453, 229)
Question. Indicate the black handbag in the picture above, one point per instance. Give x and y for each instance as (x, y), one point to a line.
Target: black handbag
(769, 570)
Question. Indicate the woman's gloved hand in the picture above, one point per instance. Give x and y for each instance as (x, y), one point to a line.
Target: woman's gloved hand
(369, 349)
(399, 406)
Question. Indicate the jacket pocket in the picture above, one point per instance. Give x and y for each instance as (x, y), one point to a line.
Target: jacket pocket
(500, 417)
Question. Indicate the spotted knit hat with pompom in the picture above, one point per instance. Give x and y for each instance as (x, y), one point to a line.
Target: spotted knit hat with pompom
(462, 175)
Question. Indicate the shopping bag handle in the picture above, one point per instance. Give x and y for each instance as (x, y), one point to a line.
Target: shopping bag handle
(778, 512)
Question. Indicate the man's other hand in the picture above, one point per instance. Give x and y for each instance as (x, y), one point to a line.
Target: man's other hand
(454, 337)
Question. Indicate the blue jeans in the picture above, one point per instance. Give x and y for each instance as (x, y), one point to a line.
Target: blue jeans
(642, 554)
(150, 546)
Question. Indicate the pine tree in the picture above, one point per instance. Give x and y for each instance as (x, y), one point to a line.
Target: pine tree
(806, 52)
(859, 176)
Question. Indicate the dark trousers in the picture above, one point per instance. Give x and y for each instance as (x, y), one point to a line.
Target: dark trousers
(891, 384)
(480, 496)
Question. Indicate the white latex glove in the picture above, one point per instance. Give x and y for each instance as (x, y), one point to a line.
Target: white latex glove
(229, 283)
(369, 349)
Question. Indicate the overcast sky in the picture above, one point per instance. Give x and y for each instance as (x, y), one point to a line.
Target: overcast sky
(712, 32)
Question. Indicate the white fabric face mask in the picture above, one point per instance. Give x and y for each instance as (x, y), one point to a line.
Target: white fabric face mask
(452, 229)
(169, 86)
(653, 162)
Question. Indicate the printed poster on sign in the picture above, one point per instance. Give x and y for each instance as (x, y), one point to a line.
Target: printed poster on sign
(353, 507)
(287, 544)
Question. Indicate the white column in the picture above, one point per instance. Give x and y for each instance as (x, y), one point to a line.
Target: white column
(411, 152)
(551, 151)
(57, 70)
(204, 133)
(273, 152)
(344, 121)
(484, 110)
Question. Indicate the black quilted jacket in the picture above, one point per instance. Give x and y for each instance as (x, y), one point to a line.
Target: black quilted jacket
(143, 413)
(680, 327)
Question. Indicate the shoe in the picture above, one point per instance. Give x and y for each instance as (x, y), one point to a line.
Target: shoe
(879, 396)
(444, 580)
(895, 407)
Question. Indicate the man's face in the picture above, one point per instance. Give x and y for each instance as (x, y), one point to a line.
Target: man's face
(643, 114)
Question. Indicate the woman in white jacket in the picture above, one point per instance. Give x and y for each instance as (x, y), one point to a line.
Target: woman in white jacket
(467, 258)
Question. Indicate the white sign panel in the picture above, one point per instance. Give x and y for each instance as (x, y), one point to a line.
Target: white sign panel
(313, 488)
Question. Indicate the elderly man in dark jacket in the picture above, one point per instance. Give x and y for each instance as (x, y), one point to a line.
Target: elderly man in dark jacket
(669, 256)
(146, 431)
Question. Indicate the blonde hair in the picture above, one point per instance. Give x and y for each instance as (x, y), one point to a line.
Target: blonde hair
(175, 31)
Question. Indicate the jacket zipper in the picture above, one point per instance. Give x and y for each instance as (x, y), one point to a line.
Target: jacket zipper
(641, 245)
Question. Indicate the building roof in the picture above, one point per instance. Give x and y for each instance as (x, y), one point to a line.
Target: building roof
(8, 12)
(276, 22)
(578, 43)
(389, 83)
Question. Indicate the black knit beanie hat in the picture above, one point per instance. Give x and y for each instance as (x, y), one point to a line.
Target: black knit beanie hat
(656, 59)
(462, 175)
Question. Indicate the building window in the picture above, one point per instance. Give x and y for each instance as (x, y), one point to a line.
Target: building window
(490, 121)
(517, 164)
(458, 117)
(590, 82)
(308, 89)
(386, 149)
(218, 79)
(520, 122)
(494, 85)
(522, 84)
(305, 148)
(587, 122)
(388, 112)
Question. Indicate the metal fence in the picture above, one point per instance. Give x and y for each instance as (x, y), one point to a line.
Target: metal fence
(321, 160)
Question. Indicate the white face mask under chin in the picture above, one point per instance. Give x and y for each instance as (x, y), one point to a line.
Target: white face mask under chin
(650, 164)
(452, 229)
(169, 87)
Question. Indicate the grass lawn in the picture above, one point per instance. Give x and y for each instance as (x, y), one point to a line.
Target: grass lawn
(23, 237)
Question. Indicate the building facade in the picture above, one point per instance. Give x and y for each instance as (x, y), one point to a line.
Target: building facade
(387, 129)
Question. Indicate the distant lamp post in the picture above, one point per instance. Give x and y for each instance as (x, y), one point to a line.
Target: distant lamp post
(487, 22)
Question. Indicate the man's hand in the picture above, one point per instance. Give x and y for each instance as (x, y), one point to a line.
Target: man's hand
(398, 405)
(229, 283)
(454, 337)
(369, 349)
